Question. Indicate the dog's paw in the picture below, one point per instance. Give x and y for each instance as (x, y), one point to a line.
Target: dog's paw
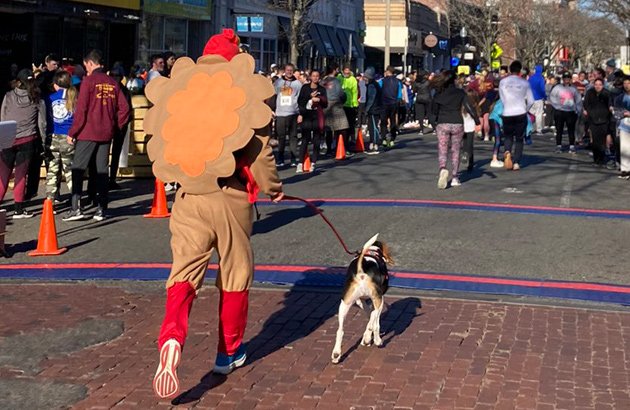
(335, 357)
(378, 341)
(367, 339)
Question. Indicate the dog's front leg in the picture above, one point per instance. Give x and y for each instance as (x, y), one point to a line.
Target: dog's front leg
(343, 311)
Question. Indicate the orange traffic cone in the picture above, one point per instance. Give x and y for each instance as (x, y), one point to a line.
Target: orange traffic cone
(359, 146)
(341, 149)
(47, 241)
(159, 209)
(306, 167)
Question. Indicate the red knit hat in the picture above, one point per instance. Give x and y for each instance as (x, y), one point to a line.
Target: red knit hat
(225, 44)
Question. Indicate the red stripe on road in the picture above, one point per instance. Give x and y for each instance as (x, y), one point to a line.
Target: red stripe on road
(304, 268)
(515, 282)
(467, 203)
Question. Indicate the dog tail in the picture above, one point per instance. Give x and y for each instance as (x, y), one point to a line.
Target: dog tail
(370, 243)
(367, 245)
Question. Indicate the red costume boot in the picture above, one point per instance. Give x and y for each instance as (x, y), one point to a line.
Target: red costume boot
(232, 321)
(179, 299)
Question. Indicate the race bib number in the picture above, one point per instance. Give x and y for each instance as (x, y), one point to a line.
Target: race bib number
(285, 100)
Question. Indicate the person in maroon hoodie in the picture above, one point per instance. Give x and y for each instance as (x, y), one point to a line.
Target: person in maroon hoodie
(101, 110)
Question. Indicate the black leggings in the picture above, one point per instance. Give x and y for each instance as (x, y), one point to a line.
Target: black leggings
(310, 133)
(389, 113)
(569, 118)
(287, 126)
(422, 110)
(599, 133)
(468, 148)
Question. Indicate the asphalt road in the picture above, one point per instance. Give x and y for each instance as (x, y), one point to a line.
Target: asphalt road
(485, 241)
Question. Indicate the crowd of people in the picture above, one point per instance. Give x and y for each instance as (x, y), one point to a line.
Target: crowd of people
(67, 117)
(73, 117)
(314, 108)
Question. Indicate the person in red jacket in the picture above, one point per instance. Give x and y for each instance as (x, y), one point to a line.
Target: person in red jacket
(101, 110)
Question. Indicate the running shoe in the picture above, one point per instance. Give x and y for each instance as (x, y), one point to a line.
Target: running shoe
(22, 214)
(225, 364)
(456, 182)
(496, 164)
(443, 179)
(299, 169)
(74, 215)
(507, 161)
(165, 382)
(516, 167)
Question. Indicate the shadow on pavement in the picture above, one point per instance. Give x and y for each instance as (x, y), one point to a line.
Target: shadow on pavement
(207, 382)
(271, 221)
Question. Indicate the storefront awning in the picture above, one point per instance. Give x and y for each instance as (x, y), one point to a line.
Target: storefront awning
(344, 38)
(326, 41)
(334, 40)
(324, 48)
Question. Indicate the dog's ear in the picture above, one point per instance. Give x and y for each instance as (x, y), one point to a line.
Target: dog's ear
(387, 254)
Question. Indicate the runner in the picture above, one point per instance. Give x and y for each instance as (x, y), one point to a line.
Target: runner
(517, 98)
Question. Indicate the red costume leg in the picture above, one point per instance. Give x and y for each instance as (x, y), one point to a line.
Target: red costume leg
(232, 320)
(179, 299)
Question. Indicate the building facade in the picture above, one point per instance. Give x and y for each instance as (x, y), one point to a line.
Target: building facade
(333, 31)
(410, 23)
(181, 27)
(32, 29)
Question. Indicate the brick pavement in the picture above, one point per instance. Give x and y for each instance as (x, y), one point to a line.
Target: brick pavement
(443, 354)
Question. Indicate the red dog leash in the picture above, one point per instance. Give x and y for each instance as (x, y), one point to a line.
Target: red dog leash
(321, 213)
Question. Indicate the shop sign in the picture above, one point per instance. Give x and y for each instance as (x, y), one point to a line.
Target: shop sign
(242, 24)
(191, 9)
(430, 41)
(123, 4)
(257, 24)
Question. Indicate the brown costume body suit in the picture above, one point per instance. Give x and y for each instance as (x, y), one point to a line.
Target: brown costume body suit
(209, 128)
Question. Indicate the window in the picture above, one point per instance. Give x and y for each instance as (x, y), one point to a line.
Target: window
(168, 34)
(175, 35)
(269, 54)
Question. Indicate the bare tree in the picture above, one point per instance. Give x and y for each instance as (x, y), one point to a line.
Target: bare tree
(590, 39)
(299, 23)
(534, 28)
(619, 9)
(481, 20)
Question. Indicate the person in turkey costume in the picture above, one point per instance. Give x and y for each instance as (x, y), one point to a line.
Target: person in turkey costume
(209, 128)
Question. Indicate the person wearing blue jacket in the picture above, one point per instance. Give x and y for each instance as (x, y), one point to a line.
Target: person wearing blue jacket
(61, 117)
(537, 84)
(391, 89)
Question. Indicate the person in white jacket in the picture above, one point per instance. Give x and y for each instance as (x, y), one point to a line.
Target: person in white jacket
(516, 95)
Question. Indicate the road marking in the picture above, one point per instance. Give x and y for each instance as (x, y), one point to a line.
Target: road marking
(565, 199)
(459, 205)
(331, 276)
(511, 190)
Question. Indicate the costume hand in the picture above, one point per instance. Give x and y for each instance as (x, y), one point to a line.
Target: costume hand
(277, 197)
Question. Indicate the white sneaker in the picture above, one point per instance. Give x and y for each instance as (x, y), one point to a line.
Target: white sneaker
(168, 187)
(312, 167)
(165, 382)
(443, 179)
(456, 182)
(496, 164)
(299, 169)
(516, 167)
(486, 138)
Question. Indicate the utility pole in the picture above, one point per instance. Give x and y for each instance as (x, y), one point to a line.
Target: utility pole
(388, 23)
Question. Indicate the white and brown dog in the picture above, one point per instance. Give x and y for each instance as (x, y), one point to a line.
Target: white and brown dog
(367, 279)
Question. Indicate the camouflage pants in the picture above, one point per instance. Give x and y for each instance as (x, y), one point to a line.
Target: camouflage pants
(61, 159)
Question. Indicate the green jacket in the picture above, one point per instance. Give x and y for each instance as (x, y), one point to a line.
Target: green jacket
(351, 88)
